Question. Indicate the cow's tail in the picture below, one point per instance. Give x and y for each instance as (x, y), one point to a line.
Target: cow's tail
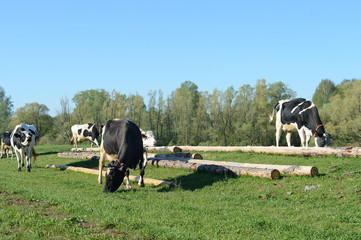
(33, 154)
(275, 109)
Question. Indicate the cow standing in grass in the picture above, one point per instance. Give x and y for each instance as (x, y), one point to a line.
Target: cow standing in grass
(23, 140)
(122, 141)
(300, 115)
(85, 132)
(6, 145)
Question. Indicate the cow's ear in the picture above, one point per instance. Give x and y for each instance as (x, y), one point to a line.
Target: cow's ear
(17, 135)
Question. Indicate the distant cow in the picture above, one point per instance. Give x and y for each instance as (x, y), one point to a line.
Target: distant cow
(84, 132)
(300, 115)
(23, 140)
(122, 141)
(148, 138)
(6, 145)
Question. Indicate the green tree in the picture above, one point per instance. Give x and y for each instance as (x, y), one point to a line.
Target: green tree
(185, 105)
(323, 93)
(34, 114)
(345, 113)
(278, 91)
(89, 106)
(115, 106)
(136, 109)
(62, 123)
(245, 116)
(6, 107)
(262, 109)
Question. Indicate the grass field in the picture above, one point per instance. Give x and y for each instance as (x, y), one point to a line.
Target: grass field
(54, 204)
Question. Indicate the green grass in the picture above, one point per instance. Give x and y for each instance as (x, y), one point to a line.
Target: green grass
(49, 203)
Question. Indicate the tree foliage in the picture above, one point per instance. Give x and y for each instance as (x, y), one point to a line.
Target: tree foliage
(6, 106)
(235, 116)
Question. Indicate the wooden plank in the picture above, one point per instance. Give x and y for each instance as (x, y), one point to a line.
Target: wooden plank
(216, 169)
(299, 151)
(95, 172)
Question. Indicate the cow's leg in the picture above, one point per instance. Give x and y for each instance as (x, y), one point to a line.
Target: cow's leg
(19, 155)
(2, 150)
(28, 158)
(308, 138)
(278, 134)
(142, 165)
(12, 153)
(96, 142)
(76, 143)
(288, 138)
(101, 160)
(302, 137)
(129, 186)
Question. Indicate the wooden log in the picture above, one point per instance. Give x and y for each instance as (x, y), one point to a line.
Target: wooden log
(85, 149)
(284, 169)
(179, 155)
(95, 172)
(216, 169)
(294, 151)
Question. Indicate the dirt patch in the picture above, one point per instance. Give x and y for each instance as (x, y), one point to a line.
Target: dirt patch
(52, 211)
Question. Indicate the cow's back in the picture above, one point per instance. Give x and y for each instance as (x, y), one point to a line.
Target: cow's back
(122, 138)
(290, 110)
(5, 138)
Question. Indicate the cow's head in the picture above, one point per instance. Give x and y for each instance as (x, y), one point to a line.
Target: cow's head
(148, 139)
(323, 141)
(114, 176)
(25, 136)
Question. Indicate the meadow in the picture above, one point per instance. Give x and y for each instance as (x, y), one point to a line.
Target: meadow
(54, 204)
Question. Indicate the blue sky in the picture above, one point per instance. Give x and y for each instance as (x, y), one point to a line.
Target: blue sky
(54, 49)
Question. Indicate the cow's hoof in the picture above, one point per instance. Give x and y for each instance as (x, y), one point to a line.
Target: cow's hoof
(141, 184)
(19, 169)
(28, 169)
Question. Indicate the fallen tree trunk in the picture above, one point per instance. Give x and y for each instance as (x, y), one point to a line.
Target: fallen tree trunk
(284, 169)
(95, 172)
(216, 169)
(79, 155)
(85, 149)
(299, 151)
(179, 155)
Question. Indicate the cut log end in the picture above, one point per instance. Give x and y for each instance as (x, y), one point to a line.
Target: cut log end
(177, 149)
(275, 174)
(197, 156)
(314, 171)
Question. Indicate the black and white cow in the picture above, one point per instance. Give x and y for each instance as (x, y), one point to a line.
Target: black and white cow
(148, 138)
(23, 140)
(83, 132)
(6, 145)
(122, 142)
(300, 115)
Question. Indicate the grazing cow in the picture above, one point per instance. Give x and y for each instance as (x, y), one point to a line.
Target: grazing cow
(23, 140)
(83, 132)
(122, 141)
(300, 115)
(6, 145)
(148, 138)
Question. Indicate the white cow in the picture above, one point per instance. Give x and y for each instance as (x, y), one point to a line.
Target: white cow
(83, 132)
(23, 140)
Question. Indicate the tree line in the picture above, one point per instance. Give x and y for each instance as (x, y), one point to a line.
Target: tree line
(189, 116)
